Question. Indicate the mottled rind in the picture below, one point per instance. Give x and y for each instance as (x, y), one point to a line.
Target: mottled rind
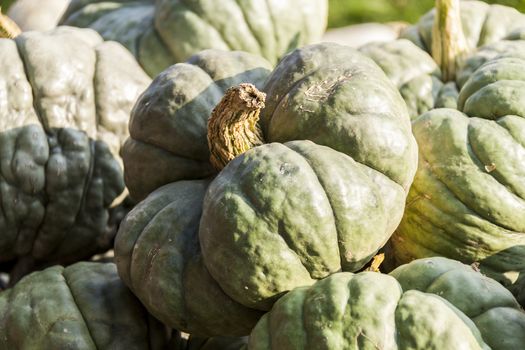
(283, 214)
(84, 306)
(454, 307)
(66, 97)
(467, 201)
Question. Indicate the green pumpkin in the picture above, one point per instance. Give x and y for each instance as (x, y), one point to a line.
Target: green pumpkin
(467, 199)
(428, 304)
(208, 257)
(482, 24)
(415, 74)
(408, 63)
(66, 97)
(83, 306)
(160, 33)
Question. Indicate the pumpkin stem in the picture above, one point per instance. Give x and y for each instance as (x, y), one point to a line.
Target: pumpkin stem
(232, 127)
(449, 45)
(8, 28)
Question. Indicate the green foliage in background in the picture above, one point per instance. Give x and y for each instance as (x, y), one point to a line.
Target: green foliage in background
(4, 4)
(344, 12)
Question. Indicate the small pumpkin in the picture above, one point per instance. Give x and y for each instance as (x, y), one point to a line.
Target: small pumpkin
(161, 33)
(433, 303)
(66, 96)
(83, 306)
(281, 214)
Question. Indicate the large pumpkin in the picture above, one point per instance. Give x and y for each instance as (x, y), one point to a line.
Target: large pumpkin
(65, 98)
(428, 304)
(467, 201)
(160, 33)
(83, 306)
(206, 257)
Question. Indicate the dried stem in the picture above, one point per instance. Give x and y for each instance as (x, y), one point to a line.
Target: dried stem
(232, 127)
(8, 28)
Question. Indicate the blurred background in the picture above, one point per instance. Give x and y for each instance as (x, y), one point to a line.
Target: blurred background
(345, 12)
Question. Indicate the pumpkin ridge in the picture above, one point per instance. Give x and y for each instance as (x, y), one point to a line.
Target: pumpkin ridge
(500, 179)
(328, 199)
(78, 307)
(278, 232)
(274, 27)
(205, 21)
(249, 26)
(43, 195)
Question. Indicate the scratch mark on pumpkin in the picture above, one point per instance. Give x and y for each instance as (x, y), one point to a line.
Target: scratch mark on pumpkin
(321, 91)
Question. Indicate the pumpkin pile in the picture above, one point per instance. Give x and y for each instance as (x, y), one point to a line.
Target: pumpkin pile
(253, 189)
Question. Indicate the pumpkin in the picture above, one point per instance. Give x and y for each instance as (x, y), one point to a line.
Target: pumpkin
(160, 33)
(408, 63)
(208, 256)
(467, 198)
(66, 96)
(428, 304)
(83, 306)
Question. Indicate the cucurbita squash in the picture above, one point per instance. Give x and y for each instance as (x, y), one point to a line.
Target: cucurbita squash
(279, 215)
(160, 33)
(428, 304)
(467, 201)
(83, 306)
(417, 75)
(66, 96)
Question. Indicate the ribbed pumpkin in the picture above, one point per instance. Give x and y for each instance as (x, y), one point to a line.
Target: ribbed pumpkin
(160, 33)
(467, 201)
(428, 304)
(83, 306)
(209, 257)
(408, 63)
(65, 98)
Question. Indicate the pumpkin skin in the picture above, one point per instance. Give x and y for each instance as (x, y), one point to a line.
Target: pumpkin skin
(423, 310)
(66, 98)
(340, 181)
(415, 74)
(467, 197)
(164, 32)
(83, 306)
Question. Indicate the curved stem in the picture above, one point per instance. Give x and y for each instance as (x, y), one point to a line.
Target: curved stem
(232, 127)
(449, 45)
(8, 28)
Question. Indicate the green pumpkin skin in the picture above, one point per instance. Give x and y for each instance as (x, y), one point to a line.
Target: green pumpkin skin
(363, 311)
(165, 32)
(433, 303)
(467, 199)
(83, 306)
(66, 100)
(492, 308)
(310, 179)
